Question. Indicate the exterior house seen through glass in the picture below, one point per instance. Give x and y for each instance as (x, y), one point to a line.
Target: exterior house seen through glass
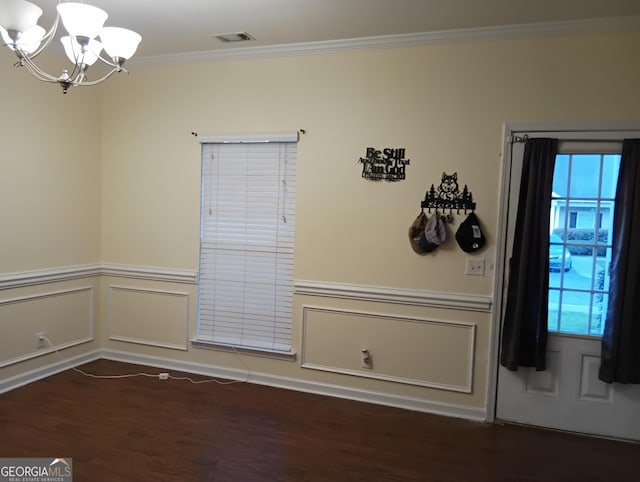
(582, 207)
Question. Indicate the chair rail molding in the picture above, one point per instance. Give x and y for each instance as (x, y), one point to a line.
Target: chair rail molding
(21, 279)
(435, 299)
(48, 275)
(150, 273)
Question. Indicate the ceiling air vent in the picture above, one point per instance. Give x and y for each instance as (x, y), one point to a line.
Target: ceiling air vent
(234, 37)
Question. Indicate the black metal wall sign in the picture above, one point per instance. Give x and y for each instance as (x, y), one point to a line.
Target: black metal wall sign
(448, 196)
(388, 164)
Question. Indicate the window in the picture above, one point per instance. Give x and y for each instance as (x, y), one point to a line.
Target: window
(584, 186)
(573, 219)
(246, 243)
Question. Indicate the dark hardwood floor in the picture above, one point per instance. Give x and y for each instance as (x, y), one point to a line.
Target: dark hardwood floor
(145, 429)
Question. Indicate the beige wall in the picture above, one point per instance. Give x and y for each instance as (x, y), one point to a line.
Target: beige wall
(50, 173)
(445, 104)
(50, 217)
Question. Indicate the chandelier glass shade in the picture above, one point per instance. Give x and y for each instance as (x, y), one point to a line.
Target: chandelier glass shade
(87, 38)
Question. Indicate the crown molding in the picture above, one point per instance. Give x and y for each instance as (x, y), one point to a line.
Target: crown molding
(546, 29)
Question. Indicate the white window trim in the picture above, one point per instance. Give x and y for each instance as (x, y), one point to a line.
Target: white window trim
(255, 138)
(250, 138)
(241, 350)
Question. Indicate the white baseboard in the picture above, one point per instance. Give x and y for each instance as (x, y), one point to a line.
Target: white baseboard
(408, 403)
(451, 410)
(46, 371)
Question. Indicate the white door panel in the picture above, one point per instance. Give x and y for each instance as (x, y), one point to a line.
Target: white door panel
(569, 395)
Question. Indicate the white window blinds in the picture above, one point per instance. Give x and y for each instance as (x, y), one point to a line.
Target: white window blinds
(246, 244)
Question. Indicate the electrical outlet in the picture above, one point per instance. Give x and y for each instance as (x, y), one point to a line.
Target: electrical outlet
(475, 266)
(40, 341)
(366, 361)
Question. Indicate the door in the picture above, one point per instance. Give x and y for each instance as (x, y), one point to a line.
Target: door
(569, 395)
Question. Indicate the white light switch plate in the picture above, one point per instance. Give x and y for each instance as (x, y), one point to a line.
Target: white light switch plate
(475, 267)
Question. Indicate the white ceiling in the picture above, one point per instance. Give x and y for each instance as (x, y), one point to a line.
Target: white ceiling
(170, 27)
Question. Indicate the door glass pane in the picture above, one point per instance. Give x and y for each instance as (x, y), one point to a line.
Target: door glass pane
(603, 270)
(585, 176)
(561, 176)
(579, 275)
(611, 166)
(574, 317)
(559, 212)
(580, 241)
(604, 231)
(598, 313)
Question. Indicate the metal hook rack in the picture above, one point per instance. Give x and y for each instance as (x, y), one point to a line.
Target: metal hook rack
(448, 196)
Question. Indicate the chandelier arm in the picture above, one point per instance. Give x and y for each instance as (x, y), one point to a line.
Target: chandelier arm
(36, 71)
(77, 78)
(105, 77)
(48, 37)
(108, 62)
(78, 71)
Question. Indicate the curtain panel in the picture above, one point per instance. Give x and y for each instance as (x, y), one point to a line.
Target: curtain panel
(524, 329)
(620, 357)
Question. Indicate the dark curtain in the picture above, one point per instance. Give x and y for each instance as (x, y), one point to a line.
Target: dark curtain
(524, 329)
(620, 359)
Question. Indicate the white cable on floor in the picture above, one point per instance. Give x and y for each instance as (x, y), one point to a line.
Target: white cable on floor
(157, 375)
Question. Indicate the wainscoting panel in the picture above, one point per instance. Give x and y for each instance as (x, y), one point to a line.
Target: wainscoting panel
(65, 316)
(431, 353)
(149, 316)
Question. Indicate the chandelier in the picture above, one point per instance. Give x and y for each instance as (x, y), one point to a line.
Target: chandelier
(83, 45)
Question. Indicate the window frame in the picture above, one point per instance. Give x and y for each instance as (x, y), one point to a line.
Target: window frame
(596, 295)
